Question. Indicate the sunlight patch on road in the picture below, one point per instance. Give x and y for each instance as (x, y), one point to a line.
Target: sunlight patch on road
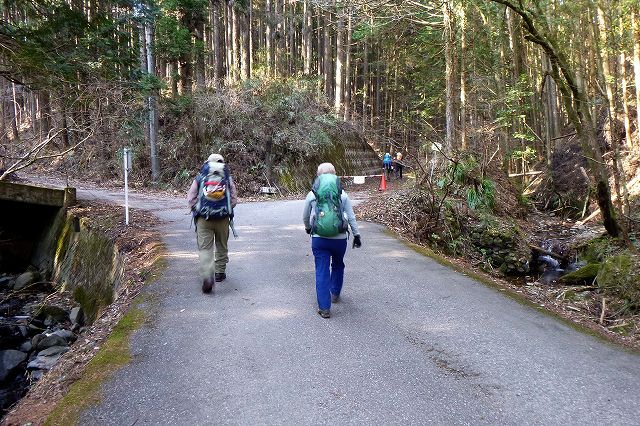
(251, 229)
(247, 253)
(394, 254)
(182, 255)
(275, 313)
(440, 327)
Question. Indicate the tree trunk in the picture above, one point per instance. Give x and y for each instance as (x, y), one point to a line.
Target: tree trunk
(217, 43)
(45, 114)
(328, 52)
(142, 52)
(625, 98)
(250, 37)
(463, 80)
(269, 36)
(365, 83)
(63, 119)
(153, 119)
(244, 44)
(347, 67)
(635, 16)
(198, 35)
(604, 28)
(291, 37)
(235, 43)
(320, 50)
(281, 59)
(449, 76)
(337, 104)
(14, 114)
(3, 118)
(380, 69)
(306, 37)
(173, 70)
(550, 109)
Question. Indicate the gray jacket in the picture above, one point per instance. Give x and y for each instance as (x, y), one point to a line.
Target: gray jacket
(309, 215)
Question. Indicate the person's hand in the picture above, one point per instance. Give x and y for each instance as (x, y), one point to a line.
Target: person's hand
(356, 241)
(307, 230)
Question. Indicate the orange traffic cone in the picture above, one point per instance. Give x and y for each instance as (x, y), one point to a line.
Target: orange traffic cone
(383, 183)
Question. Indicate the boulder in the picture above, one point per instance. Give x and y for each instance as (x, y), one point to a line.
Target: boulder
(10, 336)
(10, 359)
(43, 362)
(77, 315)
(7, 282)
(586, 274)
(66, 335)
(54, 350)
(48, 341)
(25, 279)
(52, 313)
(26, 346)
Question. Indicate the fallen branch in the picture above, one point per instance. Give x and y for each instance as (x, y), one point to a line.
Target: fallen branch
(537, 172)
(618, 325)
(604, 308)
(548, 253)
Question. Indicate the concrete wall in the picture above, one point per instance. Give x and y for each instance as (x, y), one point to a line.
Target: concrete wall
(81, 261)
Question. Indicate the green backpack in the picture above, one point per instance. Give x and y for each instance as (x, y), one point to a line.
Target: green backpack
(329, 220)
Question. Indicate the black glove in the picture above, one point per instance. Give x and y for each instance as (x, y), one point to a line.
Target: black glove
(307, 230)
(356, 241)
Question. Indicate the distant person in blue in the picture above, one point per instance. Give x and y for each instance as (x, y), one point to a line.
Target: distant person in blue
(387, 163)
(327, 217)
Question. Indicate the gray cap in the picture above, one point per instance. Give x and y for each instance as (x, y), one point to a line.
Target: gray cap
(216, 158)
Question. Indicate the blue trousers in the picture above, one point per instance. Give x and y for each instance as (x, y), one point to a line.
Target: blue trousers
(329, 255)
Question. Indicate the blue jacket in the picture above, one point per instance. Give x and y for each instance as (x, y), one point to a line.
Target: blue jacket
(387, 159)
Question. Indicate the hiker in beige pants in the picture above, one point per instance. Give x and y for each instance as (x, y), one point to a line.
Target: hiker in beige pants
(213, 218)
(210, 232)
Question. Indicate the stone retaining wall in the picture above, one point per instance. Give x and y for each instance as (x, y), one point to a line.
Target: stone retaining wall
(82, 261)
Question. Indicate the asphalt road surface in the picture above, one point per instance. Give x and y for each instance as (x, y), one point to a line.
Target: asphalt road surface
(410, 342)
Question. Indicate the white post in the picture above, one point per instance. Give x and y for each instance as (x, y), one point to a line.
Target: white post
(126, 185)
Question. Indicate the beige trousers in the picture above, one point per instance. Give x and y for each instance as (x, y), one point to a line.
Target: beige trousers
(212, 236)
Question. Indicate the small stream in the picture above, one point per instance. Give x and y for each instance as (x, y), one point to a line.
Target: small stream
(34, 333)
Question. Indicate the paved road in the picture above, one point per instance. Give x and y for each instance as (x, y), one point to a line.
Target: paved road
(411, 342)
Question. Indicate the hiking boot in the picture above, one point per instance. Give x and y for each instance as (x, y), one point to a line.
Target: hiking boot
(324, 313)
(220, 276)
(335, 298)
(207, 286)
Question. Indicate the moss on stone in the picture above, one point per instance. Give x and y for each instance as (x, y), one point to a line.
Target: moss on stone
(620, 276)
(502, 246)
(87, 264)
(597, 249)
(585, 274)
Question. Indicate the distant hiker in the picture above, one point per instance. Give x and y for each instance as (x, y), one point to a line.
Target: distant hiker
(212, 198)
(398, 166)
(327, 216)
(387, 164)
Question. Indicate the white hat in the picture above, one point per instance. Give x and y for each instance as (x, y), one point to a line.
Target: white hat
(215, 158)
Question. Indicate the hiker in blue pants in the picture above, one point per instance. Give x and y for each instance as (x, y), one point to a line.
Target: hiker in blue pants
(327, 216)
(387, 165)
